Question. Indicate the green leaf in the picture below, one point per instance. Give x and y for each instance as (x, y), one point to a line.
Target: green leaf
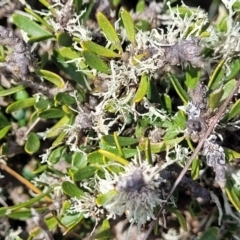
(72, 190)
(64, 39)
(180, 218)
(65, 54)
(40, 39)
(72, 220)
(22, 94)
(128, 25)
(10, 91)
(56, 154)
(52, 113)
(214, 98)
(210, 234)
(79, 160)
(192, 77)
(58, 127)
(30, 202)
(228, 87)
(177, 86)
(195, 168)
(84, 173)
(59, 139)
(22, 214)
(109, 31)
(95, 157)
(143, 25)
(88, 6)
(64, 99)
(235, 67)
(233, 112)
(4, 131)
(123, 141)
(153, 93)
(140, 6)
(104, 198)
(51, 77)
(41, 169)
(51, 222)
(118, 145)
(104, 233)
(3, 120)
(231, 154)
(112, 156)
(32, 144)
(148, 153)
(142, 89)
(162, 146)
(217, 76)
(29, 26)
(20, 104)
(39, 19)
(167, 102)
(195, 208)
(43, 104)
(44, 59)
(95, 62)
(19, 115)
(178, 124)
(232, 196)
(98, 49)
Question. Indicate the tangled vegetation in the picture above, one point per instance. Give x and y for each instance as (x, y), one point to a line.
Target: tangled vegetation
(112, 114)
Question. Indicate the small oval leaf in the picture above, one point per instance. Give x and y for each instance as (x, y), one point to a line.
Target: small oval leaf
(179, 89)
(20, 104)
(72, 190)
(56, 154)
(128, 25)
(32, 144)
(84, 173)
(142, 89)
(233, 112)
(98, 49)
(51, 77)
(95, 62)
(104, 198)
(4, 131)
(52, 113)
(29, 26)
(113, 156)
(214, 98)
(231, 154)
(216, 76)
(109, 31)
(227, 88)
(10, 91)
(58, 127)
(64, 39)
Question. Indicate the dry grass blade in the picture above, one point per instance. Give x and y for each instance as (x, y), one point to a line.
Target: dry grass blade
(196, 151)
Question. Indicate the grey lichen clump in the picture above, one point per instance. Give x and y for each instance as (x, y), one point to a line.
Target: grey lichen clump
(197, 124)
(186, 50)
(196, 111)
(215, 158)
(20, 61)
(140, 189)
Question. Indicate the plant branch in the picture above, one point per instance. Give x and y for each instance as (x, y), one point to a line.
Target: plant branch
(198, 148)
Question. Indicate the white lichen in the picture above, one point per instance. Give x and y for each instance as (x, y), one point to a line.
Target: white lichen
(139, 192)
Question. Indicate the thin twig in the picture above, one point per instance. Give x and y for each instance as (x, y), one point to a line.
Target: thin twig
(23, 180)
(198, 148)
